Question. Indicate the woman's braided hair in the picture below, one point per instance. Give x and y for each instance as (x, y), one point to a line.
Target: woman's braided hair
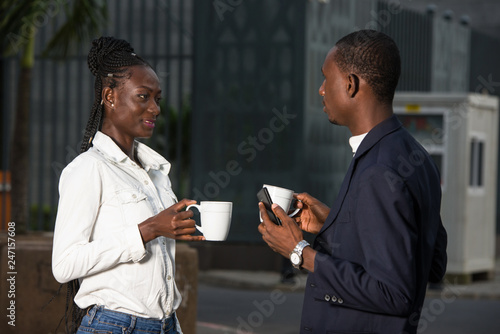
(108, 60)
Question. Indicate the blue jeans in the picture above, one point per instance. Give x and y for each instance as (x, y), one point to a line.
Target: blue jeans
(102, 321)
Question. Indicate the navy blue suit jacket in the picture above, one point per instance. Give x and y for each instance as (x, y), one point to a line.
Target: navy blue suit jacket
(382, 241)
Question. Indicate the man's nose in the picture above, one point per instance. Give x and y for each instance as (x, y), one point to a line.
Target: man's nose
(322, 89)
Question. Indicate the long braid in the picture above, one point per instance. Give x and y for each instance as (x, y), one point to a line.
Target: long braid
(95, 117)
(109, 60)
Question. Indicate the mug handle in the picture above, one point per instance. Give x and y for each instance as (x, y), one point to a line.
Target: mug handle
(199, 210)
(295, 212)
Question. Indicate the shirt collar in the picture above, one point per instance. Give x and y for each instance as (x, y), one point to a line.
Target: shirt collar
(355, 141)
(148, 157)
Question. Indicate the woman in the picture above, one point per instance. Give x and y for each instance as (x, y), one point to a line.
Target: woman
(118, 218)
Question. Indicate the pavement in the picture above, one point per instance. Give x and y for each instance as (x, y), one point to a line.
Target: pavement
(267, 280)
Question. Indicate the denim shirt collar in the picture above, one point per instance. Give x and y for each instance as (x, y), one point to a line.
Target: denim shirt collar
(148, 157)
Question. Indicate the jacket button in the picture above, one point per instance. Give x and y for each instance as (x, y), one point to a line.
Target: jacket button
(340, 300)
(327, 298)
(334, 299)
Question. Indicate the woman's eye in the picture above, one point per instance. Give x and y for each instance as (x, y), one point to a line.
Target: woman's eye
(158, 100)
(143, 96)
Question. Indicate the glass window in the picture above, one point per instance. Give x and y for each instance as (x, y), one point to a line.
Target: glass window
(476, 163)
(427, 129)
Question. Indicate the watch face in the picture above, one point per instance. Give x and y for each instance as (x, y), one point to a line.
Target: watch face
(295, 258)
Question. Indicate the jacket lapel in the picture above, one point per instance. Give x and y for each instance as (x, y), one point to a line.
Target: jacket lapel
(340, 197)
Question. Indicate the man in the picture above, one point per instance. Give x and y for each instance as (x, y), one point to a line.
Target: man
(383, 240)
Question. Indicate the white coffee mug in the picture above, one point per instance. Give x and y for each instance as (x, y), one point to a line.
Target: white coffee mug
(281, 196)
(215, 219)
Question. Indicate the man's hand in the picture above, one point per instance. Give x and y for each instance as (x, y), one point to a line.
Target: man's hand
(282, 239)
(173, 222)
(313, 213)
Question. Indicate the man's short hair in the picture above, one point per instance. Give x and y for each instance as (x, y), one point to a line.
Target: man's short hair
(374, 57)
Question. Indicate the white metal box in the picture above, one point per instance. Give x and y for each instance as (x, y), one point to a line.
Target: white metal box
(460, 131)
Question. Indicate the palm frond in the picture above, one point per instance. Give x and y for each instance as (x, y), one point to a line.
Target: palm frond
(84, 21)
(17, 21)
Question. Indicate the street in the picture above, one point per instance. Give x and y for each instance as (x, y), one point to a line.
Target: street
(228, 311)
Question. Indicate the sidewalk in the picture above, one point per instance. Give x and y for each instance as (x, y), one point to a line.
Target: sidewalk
(264, 280)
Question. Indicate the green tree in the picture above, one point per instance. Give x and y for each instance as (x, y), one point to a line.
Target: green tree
(19, 22)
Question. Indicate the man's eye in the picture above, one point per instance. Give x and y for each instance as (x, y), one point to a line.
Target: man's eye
(143, 96)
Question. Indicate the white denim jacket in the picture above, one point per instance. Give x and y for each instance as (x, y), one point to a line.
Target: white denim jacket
(104, 195)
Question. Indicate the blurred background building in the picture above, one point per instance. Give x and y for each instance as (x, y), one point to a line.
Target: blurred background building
(241, 82)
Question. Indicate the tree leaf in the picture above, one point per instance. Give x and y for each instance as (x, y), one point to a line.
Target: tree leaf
(85, 19)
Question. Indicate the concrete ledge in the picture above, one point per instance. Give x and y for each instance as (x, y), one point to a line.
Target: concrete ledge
(38, 310)
(34, 286)
(186, 278)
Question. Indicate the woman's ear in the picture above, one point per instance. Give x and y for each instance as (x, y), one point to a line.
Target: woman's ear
(353, 85)
(107, 97)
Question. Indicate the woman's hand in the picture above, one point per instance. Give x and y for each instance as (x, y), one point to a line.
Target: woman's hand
(173, 222)
(313, 213)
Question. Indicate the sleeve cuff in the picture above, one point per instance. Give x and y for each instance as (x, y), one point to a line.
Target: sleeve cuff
(136, 248)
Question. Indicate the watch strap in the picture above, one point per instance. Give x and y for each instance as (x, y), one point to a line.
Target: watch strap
(298, 250)
(300, 247)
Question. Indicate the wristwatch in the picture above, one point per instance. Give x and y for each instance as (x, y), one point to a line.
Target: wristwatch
(296, 254)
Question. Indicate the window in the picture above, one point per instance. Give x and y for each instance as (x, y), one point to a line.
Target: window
(429, 130)
(476, 163)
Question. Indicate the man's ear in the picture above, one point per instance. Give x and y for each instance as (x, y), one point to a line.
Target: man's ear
(353, 85)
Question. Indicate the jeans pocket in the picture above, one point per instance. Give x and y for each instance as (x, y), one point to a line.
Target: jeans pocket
(98, 327)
